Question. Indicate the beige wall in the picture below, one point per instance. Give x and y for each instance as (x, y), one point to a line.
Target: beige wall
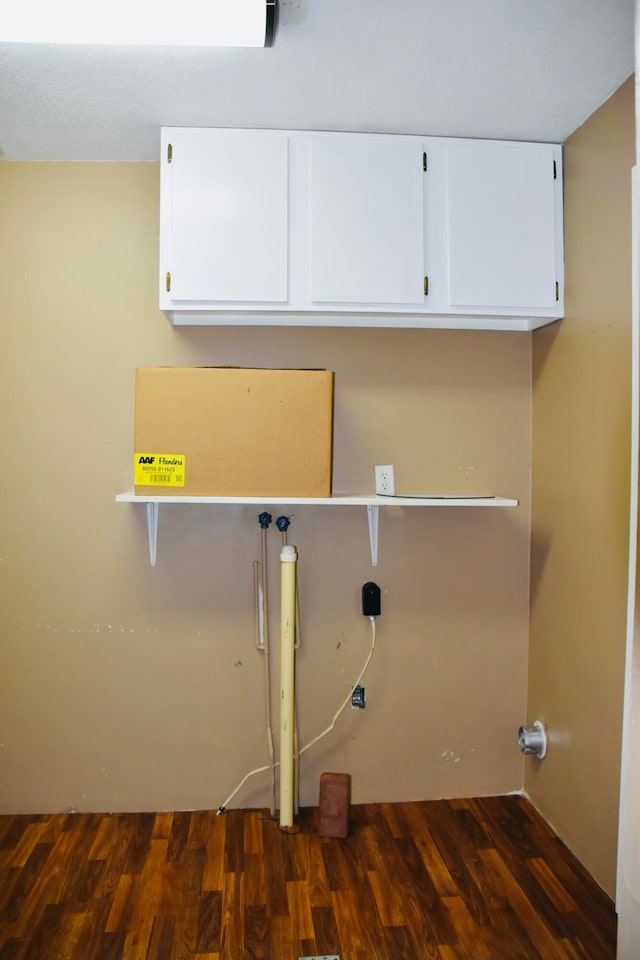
(580, 514)
(127, 687)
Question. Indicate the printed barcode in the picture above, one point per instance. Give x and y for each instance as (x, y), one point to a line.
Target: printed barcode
(166, 479)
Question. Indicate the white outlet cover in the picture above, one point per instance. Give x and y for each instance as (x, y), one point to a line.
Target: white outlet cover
(384, 489)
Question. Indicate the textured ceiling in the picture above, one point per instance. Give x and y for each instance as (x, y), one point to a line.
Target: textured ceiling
(506, 69)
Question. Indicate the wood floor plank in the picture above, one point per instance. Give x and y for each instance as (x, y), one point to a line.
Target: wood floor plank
(89, 932)
(276, 885)
(376, 943)
(282, 944)
(430, 904)
(516, 847)
(116, 857)
(326, 932)
(145, 900)
(162, 825)
(118, 918)
(388, 899)
(103, 839)
(401, 945)
(232, 926)
(300, 909)
(111, 946)
(295, 849)
(31, 892)
(422, 929)
(457, 853)
(466, 879)
(12, 829)
(431, 857)
(161, 940)
(215, 858)
(14, 949)
(348, 922)
(24, 847)
(256, 931)
(178, 835)
(551, 884)
(542, 937)
(201, 822)
(140, 838)
(209, 922)
(185, 933)
(253, 832)
(317, 880)
(184, 880)
(233, 841)
(47, 933)
(470, 937)
(255, 884)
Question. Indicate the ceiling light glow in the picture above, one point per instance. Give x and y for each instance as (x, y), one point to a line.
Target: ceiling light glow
(202, 23)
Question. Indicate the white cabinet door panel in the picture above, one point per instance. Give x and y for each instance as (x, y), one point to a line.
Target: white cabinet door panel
(229, 216)
(501, 210)
(367, 234)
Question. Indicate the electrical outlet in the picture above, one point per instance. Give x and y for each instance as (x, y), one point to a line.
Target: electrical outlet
(385, 485)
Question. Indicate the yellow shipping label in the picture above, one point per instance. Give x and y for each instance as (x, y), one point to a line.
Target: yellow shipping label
(159, 469)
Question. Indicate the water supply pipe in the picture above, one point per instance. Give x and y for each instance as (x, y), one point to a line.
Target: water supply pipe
(262, 642)
(288, 560)
(283, 523)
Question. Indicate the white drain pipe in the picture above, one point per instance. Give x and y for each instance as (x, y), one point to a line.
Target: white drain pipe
(288, 560)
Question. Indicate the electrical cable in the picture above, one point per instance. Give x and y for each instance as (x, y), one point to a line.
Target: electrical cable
(347, 699)
(315, 740)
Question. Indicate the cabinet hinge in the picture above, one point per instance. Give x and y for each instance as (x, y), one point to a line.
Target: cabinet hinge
(555, 171)
(424, 161)
(168, 282)
(169, 153)
(426, 286)
(557, 290)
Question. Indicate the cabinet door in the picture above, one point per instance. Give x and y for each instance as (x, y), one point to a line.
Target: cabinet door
(225, 213)
(367, 234)
(501, 225)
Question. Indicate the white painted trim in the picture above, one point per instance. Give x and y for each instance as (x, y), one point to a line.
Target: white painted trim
(633, 534)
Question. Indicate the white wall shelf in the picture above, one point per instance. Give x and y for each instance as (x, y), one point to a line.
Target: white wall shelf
(370, 501)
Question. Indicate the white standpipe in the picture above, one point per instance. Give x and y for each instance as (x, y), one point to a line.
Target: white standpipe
(288, 560)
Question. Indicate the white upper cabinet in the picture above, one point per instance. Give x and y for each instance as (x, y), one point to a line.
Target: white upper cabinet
(367, 225)
(225, 216)
(297, 227)
(501, 217)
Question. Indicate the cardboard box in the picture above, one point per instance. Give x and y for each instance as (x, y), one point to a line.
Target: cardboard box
(232, 431)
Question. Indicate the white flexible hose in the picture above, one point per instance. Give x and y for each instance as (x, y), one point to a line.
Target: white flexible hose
(347, 699)
(315, 740)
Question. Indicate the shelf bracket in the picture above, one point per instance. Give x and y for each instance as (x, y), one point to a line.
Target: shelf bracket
(372, 517)
(153, 509)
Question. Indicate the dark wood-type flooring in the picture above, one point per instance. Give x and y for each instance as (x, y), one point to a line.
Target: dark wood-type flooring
(473, 879)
